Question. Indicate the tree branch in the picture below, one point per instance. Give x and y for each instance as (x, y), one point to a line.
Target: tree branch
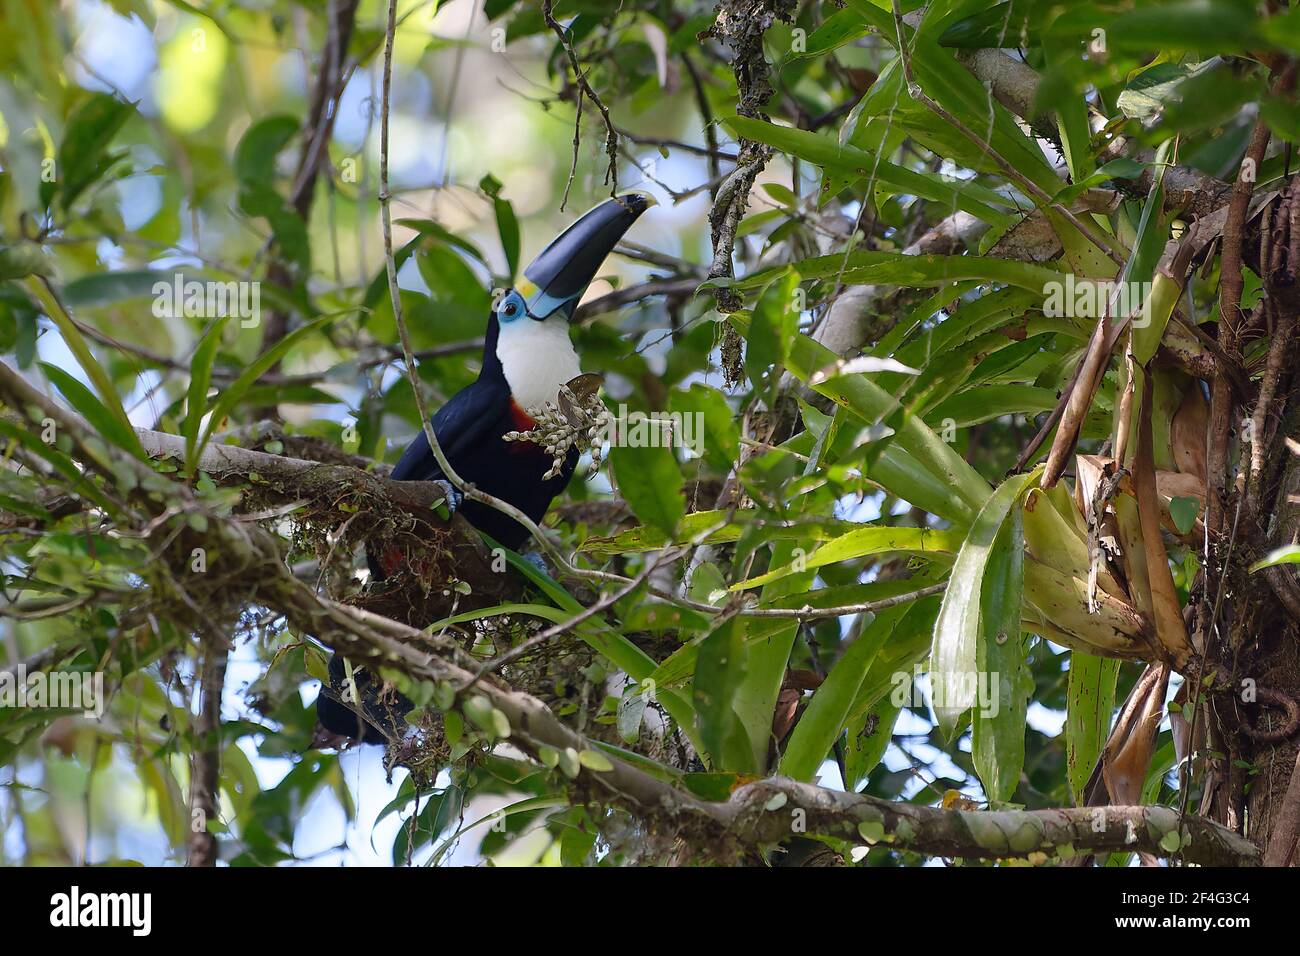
(751, 816)
(205, 762)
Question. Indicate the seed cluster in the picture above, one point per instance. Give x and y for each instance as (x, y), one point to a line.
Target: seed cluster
(572, 420)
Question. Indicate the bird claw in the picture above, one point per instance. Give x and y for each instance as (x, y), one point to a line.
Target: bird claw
(452, 497)
(537, 560)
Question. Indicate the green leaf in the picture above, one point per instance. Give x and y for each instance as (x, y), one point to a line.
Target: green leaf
(775, 323)
(999, 26)
(1157, 86)
(631, 711)
(1289, 554)
(823, 722)
(1203, 26)
(864, 541)
(867, 746)
(998, 732)
(595, 761)
(1183, 510)
(841, 27)
(93, 411)
(953, 658)
(83, 153)
(22, 260)
(894, 268)
(721, 437)
(991, 401)
(197, 396)
(873, 404)
(76, 344)
(231, 396)
(651, 484)
(258, 147)
(507, 222)
(106, 288)
(719, 672)
(1090, 699)
(834, 157)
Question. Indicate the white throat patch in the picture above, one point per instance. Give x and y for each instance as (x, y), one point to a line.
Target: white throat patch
(538, 358)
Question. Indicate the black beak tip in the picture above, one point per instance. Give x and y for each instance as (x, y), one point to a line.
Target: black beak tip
(636, 203)
(564, 269)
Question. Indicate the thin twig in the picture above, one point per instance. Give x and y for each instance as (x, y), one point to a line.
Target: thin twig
(584, 87)
(606, 599)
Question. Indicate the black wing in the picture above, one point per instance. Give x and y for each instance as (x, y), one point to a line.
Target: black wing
(459, 424)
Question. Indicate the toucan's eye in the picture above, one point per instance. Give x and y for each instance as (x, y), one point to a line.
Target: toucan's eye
(511, 306)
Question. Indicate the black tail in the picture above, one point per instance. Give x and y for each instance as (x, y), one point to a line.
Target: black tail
(364, 711)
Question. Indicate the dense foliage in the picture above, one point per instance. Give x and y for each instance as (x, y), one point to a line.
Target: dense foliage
(964, 531)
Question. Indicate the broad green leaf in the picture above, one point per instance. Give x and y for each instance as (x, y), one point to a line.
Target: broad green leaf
(106, 288)
(902, 476)
(998, 723)
(720, 435)
(864, 541)
(1183, 510)
(1205, 26)
(824, 720)
(258, 147)
(719, 671)
(826, 152)
(953, 659)
(22, 260)
(1090, 701)
(767, 660)
(83, 153)
(841, 27)
(866, 746)
(872, 404)
(197, 395)
(774, 324)
(651, 483)
(1289, 554)
(1003, 25)
(93, 411)
(892, 673)
(76, 344)
(989, 402)
(1151, 90)
(507, 223)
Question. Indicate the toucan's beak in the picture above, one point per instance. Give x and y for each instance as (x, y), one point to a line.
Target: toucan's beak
(559, 276)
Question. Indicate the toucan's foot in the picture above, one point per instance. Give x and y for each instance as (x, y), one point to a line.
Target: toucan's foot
(537, 560)
(453, 497)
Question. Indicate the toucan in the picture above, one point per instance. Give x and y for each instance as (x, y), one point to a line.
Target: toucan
(527, 357)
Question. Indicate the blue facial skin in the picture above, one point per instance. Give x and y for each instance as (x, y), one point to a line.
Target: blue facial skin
(512, 306)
